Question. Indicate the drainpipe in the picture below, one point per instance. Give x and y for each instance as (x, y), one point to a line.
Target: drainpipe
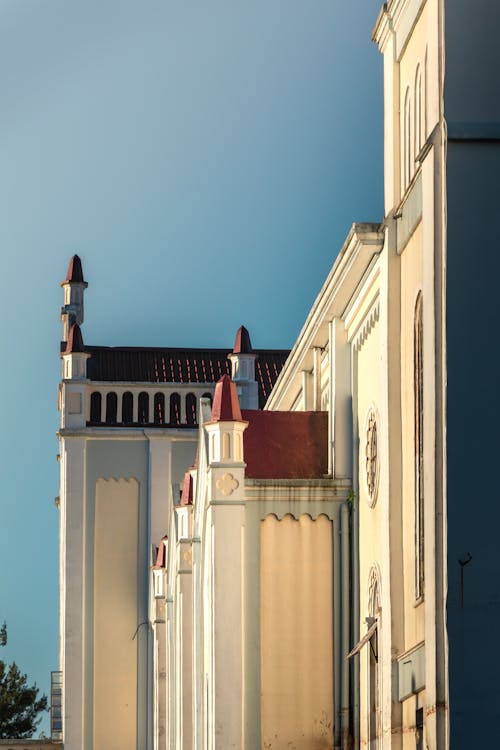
(337, 632)
(344, 718)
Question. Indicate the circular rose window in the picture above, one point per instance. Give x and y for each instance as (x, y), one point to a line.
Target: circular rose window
(371, 457)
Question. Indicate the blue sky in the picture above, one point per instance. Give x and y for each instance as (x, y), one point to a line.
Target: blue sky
(206, 161)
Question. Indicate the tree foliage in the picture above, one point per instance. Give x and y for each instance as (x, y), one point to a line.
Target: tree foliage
(20, 705)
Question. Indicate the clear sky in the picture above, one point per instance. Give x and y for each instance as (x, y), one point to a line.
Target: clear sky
(205, 160)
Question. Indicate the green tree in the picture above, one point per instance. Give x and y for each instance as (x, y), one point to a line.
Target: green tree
(19, 703)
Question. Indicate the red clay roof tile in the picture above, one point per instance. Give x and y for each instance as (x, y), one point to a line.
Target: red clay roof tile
(150, 365)
(285, 445)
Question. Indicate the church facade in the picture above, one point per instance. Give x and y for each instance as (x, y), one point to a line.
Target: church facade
(263, 549)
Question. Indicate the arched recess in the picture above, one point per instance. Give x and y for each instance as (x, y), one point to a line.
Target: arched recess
(127, 408)
(95, 407)
(191, 409)
(111, 408)
(143, 410)
(209, 396)
(159, 408)
(175, 409)
(296, 577)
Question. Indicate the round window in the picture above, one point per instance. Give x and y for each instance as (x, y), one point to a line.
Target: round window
(371, 457)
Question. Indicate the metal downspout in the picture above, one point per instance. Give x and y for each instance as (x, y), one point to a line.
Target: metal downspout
(344, 531)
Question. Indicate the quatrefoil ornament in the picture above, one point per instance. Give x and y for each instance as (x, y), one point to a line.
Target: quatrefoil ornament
(227, 484)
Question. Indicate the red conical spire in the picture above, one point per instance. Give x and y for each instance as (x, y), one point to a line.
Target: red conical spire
(75, 340)
(75, 271)
(242, 344)
(187, 490)
(226, 406)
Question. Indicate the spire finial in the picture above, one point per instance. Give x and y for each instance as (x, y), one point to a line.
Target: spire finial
(242, 343)
(74, 345)
(226, 406)
(75, 271)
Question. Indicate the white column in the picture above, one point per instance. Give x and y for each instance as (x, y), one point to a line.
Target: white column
(340, 415)
(228, 715)
(160, 490)
(72, 573)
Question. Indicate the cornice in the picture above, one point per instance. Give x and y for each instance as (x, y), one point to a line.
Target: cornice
(362, 243)
(367, 325)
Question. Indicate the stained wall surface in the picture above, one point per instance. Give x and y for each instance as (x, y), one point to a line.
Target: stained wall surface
(115, 614)
(296, 633)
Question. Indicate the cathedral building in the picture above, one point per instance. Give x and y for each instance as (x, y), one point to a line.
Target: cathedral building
(267, 550)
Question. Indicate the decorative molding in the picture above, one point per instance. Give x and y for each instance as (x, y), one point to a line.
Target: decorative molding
(227, 484)
(367, 325)
(371, 455)
(374, 597)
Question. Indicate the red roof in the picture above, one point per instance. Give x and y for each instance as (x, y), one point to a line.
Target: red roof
(75, 271)
(150, 365)
(285, 444)
(75, 340)
(226, 406)
(242, 343)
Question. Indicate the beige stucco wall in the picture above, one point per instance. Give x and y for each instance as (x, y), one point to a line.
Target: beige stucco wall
(296, 633)
(115, 614)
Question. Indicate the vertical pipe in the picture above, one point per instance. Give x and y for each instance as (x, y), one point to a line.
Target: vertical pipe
(337, 649)
(355, 519)
(344, 530)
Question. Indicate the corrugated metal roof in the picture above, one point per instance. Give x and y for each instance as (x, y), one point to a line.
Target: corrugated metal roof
(150, 365)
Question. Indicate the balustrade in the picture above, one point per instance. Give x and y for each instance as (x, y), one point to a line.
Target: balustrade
(120, 407)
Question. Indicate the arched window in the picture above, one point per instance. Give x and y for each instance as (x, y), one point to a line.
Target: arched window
(111, 407)
(191, 409)
(426, 95)
(143, 411)
(127, 408)
(175, 409)
(407, 168)
(418, 112)
(95, 407)
(208, 395)
(374, 659)
(418, 390)
(159, 408)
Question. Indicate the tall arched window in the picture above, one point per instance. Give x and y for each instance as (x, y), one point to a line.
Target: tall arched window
(95, 407)
(407, 169)
(159, 408)
(191, 409)
(111, 407)
(426, 94)
(127, 408)
(143, 411)
(374, 659)
(209, 396)
(175, 409)
(418, 112)
(418, 390)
